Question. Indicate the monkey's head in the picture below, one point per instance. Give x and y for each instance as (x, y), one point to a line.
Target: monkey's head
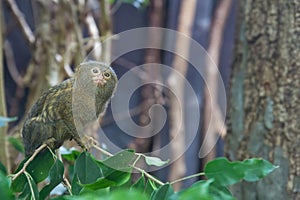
(96, 78)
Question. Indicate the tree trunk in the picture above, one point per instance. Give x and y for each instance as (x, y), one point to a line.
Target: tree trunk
(3, 155)
(264, 96)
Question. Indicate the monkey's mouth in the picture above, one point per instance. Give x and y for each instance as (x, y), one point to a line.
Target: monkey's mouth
(99, 79)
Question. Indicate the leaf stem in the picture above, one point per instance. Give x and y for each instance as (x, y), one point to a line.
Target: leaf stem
(29, 179)
(148, 175)
(188, 177)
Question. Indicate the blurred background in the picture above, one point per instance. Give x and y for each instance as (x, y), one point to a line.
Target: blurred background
(43, 42)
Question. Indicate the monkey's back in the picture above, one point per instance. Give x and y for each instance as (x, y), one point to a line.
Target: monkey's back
(50, 117)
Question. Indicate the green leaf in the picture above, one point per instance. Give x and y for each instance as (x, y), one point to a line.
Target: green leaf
(56, 177)
(4, 120)
(31, 189)
(155, 161)
(70, 155)
(5, 192)
(228, 173)
(100, 184)
(120, 161)
(17, 144)
(163, 193)
(204, 189)
(127, 194)
(38, 168)
(139, 184)
(220, 192)
(75, 186)
(150, 187)
(255, 169)
(115, 171)
(112, 178)
(199, 190)
(87, 169)
(3, 169)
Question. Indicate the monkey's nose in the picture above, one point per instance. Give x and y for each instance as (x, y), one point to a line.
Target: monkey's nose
(99, 79)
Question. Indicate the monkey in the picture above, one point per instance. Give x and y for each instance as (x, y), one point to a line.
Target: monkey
(57, 114)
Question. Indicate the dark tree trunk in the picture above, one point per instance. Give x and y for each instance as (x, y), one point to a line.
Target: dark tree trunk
(264, 111)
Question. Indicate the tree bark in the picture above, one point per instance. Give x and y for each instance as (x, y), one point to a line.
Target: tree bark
(264, 96)
(3, 150)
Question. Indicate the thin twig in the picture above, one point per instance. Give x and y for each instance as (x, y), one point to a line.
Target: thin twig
(67, 184)
(28, 177)
(148, 175)
(187, 177)
(29, 36)
(137, 168)
(94, 32)
(11, 64)
(65, 181)
(38, 150)
(103, 151)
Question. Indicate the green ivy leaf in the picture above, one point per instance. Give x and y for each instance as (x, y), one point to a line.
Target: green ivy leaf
(30, 190)
(5, 192)
(199, 190)
(139, 184)
(228, 173)
(75, 186)
(3, 169)
(155, 161)
(4, 120)
(255, 169)
(17, 144)
(56, 177)
(115, 171)
(70, 155)
(204, 189)
(127, 194)
(220, 192)
(99, 184)
(162, 193)
(120, 161)
(150, 187)
(86, 169)
(38, 168)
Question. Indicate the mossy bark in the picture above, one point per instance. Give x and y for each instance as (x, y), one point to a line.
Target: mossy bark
(264, 111)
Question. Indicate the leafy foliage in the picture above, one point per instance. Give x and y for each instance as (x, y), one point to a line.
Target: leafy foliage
(111, 178)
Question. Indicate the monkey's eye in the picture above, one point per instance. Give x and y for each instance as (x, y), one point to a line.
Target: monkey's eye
(96, 71)
(106, 74)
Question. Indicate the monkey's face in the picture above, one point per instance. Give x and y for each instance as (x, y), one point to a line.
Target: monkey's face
(99, 77)
(91, 75)
(98, 73)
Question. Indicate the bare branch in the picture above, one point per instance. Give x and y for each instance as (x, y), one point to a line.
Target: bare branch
(94, 32)
(177, 128)
(11, 64)
(19, 17)
(212, 110)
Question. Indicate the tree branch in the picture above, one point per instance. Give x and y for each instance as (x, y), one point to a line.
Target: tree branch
(176, 84)
(19, 17)
(212, 111)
